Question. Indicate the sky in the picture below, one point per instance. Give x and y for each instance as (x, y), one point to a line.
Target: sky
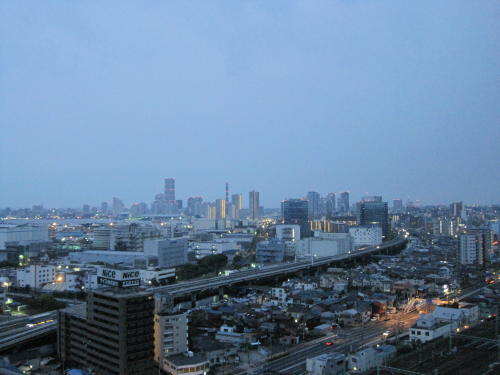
(107, 98)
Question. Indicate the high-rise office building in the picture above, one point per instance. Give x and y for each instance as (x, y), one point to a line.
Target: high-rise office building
(371, 198)
(194, 206)
(330, 204)
(118, 206)
(169, 193)
(104, 208)
(313, 199)
(138, 209)
(397, 205)
(112, 334)
(296, 211)
(236, 205)
(456, 209)
(253, 205)
(220, 209)
(343, 202)
(228, 203)
(374, 213)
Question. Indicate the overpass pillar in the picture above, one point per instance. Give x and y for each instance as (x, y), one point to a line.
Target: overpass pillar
(193, 300)
(221, 293)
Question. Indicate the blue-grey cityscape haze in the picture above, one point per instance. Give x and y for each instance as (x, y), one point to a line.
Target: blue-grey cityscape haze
(102, 99)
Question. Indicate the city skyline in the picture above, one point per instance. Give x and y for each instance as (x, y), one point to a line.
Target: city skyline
(246, 201)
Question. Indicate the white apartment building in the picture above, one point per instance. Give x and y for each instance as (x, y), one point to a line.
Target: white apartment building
(170, 330)
(470, 249)
(35, 276)
(171, 334)
(366, 235)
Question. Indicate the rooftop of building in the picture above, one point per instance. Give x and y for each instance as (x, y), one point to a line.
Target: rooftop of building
(78, 310)
(186, 360)
(123, 292)
(330, 356)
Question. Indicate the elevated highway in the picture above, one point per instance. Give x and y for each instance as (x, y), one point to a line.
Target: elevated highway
(198, 286)
(18, 337)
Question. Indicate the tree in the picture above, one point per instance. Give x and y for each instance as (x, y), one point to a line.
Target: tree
(121, 246)
(237, 261)
(7, 264)
(45, 303)
(213, 263)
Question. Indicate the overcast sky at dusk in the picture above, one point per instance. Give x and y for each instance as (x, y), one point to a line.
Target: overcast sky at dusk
(106, 98)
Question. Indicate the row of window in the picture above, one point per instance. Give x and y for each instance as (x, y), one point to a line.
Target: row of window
(419, 333)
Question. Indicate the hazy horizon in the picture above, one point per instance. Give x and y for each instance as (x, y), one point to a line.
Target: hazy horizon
(103, 99)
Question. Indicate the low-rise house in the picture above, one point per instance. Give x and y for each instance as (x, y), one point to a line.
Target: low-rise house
(323, 328)
(227, 334)
(350, 318)
(443, 321)
(326, 364)
(289, 340)
(297, 311)
(190, 364)
(369, 358)
(428, 328)
(217, 352)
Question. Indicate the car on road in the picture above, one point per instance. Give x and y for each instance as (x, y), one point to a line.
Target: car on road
(329, 343)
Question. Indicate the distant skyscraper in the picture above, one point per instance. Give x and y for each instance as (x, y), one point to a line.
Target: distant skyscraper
(330, 204)
(169, 194)
(343, 202)
(86, 209)
(138, 209)
(118, 206)
(296, 211)
(313, 199)
(220, 209)
(374, 213)
(397, 205)
(236, 205)
(456, 209)
(211, 211)
(228, 204)
(194, 206)
(104, 207)
(253, 205)
(372, 198)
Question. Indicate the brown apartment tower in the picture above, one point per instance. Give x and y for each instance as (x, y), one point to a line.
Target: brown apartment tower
(112, 334)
